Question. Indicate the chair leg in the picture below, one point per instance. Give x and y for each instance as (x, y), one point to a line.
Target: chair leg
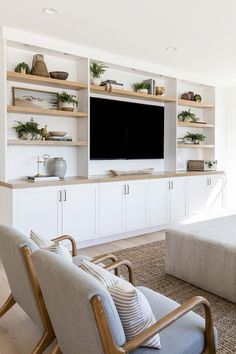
(56, 350)
(8, 304)
(43, 343)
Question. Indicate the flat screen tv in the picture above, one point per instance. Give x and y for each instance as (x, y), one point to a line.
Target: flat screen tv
(125, 130)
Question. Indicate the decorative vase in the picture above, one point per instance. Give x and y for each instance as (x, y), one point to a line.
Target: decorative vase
(142, 90)
(187, 119)
(65, 106)
(96, 81)
(58, 167)
(160, 90)
(27, 136)
(39, 67)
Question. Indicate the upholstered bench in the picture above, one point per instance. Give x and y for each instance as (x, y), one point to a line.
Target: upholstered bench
(204, 254)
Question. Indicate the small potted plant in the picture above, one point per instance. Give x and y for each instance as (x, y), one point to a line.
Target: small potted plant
(141, 87)
(97, 69)
(197, 138)
(22, 68)
(28, 130)
(66, 102)
(186, 116)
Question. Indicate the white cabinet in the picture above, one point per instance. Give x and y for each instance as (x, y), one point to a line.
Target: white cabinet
(178, 199)
(136, 205)
(79, 206)
(214, 194)
(197, 195)
(111, 208)
(158, 202)
(39, 209)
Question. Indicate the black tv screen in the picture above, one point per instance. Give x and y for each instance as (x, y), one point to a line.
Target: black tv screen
(125, 130)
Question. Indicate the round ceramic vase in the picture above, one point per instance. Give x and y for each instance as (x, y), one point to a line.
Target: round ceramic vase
(58, 167)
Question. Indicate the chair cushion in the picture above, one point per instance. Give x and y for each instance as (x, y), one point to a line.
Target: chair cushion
(185, 336)
(133, 307)
(77, 259)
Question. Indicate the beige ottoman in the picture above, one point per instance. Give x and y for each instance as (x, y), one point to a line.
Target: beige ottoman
(204, 254)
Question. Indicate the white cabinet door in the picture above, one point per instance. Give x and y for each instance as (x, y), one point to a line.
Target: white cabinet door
(79, 211)
(111, 208)
(136, 205)
(197, 189)
(214, 194)
(178, 209)
(39, 209)
(158, 202)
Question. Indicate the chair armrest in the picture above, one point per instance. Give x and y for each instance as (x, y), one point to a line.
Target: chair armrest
(106, 257)
(70, 238)
(117, 265)
(173, 316)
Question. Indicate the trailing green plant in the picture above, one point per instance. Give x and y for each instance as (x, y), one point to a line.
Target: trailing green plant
(24, 66)
(30, 127)
(97, 69)
(187, 114)
(141, 85)
(196, 138)
(65, 97)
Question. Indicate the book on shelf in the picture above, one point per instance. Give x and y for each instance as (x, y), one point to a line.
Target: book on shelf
(152, 85)
(60, 138)
(112, 82)
(42, 178)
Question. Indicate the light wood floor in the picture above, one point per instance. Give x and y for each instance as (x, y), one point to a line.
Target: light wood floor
(18, 334)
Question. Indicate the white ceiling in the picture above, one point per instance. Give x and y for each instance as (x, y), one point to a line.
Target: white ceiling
(204, 31)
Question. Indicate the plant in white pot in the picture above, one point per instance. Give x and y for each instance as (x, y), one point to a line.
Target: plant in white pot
(27, 130)
(141, 87)
(66, 102)
(97, 69)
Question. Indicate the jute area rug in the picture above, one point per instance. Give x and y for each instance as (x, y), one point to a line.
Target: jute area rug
(149, 265)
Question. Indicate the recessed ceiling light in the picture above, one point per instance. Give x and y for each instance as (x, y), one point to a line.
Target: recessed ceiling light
(171, 49)
(50, 11)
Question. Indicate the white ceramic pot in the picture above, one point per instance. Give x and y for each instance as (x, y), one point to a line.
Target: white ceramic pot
(58, 167)
(65, 106)
(96, 81)
(143, 90)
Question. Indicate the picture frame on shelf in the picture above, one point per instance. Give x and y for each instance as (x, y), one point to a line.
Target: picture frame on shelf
(31, 98)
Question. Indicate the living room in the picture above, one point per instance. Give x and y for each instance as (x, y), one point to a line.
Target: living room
(117, 177)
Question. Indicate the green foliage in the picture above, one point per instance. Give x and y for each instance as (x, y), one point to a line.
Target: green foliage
(65, 97)
(195, 138)
(141, 85)
(22, 65)
(187, 114)
(30, 127)
(97, 69)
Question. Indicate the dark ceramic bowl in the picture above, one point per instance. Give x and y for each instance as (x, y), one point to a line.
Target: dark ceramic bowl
(60, 75)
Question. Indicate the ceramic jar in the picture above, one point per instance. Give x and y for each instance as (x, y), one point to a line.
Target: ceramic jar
(96, 81)
(58, 167)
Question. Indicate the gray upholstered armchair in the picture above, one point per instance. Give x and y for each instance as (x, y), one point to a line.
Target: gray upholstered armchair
(86, 321)
(15, 251)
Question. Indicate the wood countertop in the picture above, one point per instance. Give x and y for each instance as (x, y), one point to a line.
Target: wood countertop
(22, 183)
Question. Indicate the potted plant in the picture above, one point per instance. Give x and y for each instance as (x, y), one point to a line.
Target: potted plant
(97, 69)
(196, 138)
(141, 87)
(66, 102)
(28, 130)
(187, 116)
(22, 68)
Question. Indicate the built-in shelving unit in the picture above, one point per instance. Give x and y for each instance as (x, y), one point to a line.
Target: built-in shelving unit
(194, 104)
(45, 112)
(46, 142)
(195, 146)
(195, 125)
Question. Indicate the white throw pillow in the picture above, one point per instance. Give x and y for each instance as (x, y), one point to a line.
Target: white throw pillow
(55, 247)
(134, 309)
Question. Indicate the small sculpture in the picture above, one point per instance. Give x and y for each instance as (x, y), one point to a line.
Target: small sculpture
(45, 158)
(44, 133)
(38, 66)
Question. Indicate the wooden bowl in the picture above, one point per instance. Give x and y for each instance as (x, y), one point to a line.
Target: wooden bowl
(59, 75)
(59, 133)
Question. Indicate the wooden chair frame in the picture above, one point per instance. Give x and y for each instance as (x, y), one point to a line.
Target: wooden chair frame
(48, 333)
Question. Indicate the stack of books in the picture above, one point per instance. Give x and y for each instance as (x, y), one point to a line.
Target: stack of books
(59, 138)
(113, 84)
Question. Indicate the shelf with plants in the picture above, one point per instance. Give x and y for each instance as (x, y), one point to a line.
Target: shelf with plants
(46, 142)
(195, 125)
(45, 112)
(195, 146)
(194, 104)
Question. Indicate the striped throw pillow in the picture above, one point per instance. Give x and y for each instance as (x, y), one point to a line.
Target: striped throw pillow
(55, 247)
(132, 306)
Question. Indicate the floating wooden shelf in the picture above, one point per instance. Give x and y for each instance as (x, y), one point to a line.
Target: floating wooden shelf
(45, 112)
(132, 94)
(45, 81)
(195, 125)
(47, 142)
(195, 146)
(189, 103)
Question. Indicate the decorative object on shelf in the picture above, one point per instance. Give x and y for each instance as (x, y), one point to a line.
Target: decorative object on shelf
(160, 90)
(188, 96)
(151, 89)
(202, 165)
(66, 102)
(44, 133)
(59, 75)
(59, 138)
(45, 158)
(194, 138)
(39, 67)
(57, 133)
(28, 130)
(58, 167)
(186, 116)
(113, 84)
(131, 172)
(30, 98)
(22, 68)
(141, 87)
(97, 69)
(197, 98)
